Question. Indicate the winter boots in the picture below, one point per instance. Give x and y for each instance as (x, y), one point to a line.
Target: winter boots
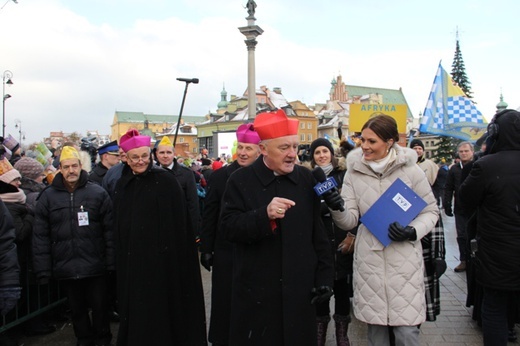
(321, 324)
(341, 330)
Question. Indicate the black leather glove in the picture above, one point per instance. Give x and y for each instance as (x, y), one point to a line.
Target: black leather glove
(321, 294)
(439, 266)
(334, 200)
(8, 298)
(396, 232)
(206, 259)
(448, 211)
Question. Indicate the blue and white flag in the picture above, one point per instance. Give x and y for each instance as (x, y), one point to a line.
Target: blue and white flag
(449, 112)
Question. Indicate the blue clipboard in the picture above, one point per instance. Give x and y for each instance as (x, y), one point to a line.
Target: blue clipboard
(398, 203)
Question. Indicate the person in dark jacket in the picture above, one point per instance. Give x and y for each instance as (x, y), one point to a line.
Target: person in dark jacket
(160, 294)
(440, 182)
(23, 213)
(282, 261)
(215, 250)
(73, 242)
(165, 157)
(108, 158)
(32, 173)
(451, 193)
(492, 189)
(113, 174)
(9, 268)
(322, 156)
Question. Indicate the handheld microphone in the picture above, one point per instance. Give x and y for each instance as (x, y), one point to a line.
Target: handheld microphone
(326, 186)
(189, 80)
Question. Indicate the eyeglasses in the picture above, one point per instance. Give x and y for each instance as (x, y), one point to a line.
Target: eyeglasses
(135, 159)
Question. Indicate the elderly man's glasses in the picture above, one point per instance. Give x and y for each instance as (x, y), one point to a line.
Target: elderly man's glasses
(136, 159)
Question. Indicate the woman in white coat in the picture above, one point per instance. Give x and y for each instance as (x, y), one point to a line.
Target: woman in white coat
(388, 281)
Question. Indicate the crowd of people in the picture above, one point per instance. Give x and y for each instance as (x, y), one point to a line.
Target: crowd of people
(126, 238)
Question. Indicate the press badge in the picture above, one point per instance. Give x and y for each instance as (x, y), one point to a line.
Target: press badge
(82, 217)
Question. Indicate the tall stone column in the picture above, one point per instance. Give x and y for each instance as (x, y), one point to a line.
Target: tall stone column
(251, 32)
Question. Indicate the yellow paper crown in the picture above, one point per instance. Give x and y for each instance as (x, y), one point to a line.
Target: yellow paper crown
(68, 153)
(5, 166)
(166, 141)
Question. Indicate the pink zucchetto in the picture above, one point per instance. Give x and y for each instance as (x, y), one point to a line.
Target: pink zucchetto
(132, 139)
(247, 134)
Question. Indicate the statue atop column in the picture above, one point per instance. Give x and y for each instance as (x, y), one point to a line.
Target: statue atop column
(251, 5)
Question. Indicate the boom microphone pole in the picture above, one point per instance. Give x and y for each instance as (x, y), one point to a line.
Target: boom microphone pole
(188, 81)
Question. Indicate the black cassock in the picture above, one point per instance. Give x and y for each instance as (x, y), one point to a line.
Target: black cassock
(160, 292)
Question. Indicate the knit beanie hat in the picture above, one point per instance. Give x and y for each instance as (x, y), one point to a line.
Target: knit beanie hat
(416, 142)
(7, 172)
(29, 167)
(321, 142)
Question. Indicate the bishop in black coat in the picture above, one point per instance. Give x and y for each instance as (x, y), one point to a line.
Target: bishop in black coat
(160, 287)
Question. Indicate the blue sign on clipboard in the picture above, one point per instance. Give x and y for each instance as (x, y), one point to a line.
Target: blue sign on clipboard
(398, 203)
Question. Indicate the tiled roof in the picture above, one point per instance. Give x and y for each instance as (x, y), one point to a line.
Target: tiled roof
(139, 117)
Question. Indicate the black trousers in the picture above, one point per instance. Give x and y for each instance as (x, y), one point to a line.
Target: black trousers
(84, 294)
(341, 300)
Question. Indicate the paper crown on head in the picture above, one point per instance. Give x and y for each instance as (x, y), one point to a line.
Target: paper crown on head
(132, 139)
(246, 134)
(38, 156)
(275, 124)
(7, 172)
(68, 153)
(11, 143)
(109, 147)
(4, 151)
(166, 142)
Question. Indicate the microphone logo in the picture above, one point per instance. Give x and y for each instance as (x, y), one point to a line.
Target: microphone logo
(325, 186)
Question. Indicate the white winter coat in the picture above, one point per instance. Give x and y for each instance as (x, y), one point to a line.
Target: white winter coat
(388, 282)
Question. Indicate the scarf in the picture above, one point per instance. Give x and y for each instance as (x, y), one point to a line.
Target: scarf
(327, 169)
(13, 197)
(379, 166)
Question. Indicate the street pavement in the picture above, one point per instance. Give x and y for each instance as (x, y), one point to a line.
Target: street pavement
(454, 326)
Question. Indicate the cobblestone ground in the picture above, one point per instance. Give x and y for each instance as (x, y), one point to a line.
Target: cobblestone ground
(454, 326)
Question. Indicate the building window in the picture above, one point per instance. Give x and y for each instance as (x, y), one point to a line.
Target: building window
(194, 139)
(181, 139)
(195, 150)
(309, 137)
(302, 125)
(302, 137)
(309, 126)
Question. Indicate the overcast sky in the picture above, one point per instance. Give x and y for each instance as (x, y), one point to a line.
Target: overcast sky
(75, 62)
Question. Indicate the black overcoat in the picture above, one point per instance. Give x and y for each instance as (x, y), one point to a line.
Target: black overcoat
(213, 241)
(274, 272)
(9, 268)
(159, 283)
(492, 190)
(186, 179)
(342, 262)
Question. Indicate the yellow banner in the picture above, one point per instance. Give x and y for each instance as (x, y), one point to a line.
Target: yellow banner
(360, 113)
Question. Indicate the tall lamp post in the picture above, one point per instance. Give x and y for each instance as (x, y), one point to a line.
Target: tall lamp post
(188, 81)
(6, 79)
(18, 125)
